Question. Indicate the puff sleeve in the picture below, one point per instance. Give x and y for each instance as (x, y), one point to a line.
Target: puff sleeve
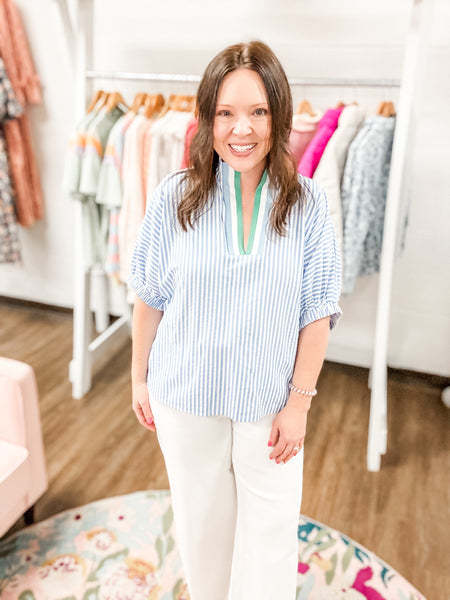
(145, 272)
(321, 282)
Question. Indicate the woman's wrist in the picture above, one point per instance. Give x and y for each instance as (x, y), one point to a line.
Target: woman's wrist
(300, 397)
(302, 391)
(138, 379)
(302, 403)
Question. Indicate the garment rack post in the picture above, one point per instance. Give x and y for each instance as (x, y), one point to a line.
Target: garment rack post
(80, 368)
(413, 65)
(86, 352)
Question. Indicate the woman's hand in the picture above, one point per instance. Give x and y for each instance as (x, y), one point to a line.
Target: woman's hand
(289, 425)
(145, 325)
(288, 431)
(141, 405)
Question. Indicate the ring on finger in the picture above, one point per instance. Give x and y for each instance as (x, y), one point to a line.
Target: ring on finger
(296, 449)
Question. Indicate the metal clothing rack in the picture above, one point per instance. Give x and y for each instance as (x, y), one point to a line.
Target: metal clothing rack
(86, 352)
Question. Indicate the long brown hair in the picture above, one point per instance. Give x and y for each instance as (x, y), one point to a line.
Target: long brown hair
(281, 167)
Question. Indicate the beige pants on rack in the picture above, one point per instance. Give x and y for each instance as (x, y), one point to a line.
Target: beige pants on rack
(236, 511)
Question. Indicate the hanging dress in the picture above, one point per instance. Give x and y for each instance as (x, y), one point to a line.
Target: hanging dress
(331, 166)
(363, 194)
(110, 188)
(9, 239)
(16, 54)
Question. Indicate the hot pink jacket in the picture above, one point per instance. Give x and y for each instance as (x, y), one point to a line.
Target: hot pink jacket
(316, 147)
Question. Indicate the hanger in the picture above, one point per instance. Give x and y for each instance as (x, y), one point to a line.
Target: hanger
(386, 109)
(391, 109)
(380, 108)
(179, 103)
(153, 104)
(102, 102)
(186, 103)
(159, 103)
(99, 95)
(149, 105)
(139, 100)
(95, 98)
(305, 107)
(169, 105)
(114, 99)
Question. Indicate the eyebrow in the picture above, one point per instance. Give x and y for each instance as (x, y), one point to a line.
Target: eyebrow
(251, 105)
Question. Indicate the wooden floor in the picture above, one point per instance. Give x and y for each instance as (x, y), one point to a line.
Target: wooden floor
(95, 448)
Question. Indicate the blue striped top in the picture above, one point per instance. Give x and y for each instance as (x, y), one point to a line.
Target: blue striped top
(227, 342)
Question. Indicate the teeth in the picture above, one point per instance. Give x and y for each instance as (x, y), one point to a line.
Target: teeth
(242, 148)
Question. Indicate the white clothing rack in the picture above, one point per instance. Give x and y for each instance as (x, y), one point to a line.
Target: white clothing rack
(306, 81)
(87, 352)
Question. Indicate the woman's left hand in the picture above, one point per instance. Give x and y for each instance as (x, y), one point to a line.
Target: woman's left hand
(288, 431)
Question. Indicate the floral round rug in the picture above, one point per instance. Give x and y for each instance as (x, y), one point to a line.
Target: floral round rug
(124, 548)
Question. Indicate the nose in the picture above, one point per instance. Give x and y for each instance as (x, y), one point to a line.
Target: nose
(242, 126)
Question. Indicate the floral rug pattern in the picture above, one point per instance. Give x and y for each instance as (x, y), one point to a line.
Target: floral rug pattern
(124, 548)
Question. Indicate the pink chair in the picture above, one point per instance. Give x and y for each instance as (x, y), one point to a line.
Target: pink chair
(23, 475)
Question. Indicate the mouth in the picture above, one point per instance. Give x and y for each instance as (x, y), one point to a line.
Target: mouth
(241, 150)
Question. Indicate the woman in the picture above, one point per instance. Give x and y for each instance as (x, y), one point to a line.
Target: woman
(237, 278)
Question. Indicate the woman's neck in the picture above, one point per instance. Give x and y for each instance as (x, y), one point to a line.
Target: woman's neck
(250, 181)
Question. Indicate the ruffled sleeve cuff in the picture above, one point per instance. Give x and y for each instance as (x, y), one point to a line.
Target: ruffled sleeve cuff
(327, 309)
(147, 296)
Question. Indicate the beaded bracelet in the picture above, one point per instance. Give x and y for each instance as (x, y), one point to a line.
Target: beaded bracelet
(297, 390)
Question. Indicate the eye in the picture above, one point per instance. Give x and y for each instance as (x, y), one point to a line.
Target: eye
(261, 112)
(223, 113)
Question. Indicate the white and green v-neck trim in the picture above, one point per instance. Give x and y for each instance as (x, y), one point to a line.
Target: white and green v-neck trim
(234, 226)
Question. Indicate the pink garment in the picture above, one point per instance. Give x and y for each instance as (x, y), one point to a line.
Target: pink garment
(146, 149)
(190, 132)
(134, 201)
(18, 63)
(147, 146)
(304, 127)
(115, 148)
(313, 153)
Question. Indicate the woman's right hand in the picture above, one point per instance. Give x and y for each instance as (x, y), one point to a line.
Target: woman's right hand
(141, 405)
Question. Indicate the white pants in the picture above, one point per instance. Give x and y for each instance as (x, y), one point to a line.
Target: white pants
(236, 511)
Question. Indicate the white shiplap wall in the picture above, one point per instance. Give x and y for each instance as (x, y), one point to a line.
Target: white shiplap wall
(324, 38)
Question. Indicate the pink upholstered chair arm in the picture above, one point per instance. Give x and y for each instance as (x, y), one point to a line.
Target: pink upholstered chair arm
(12, 423)
(19, 411)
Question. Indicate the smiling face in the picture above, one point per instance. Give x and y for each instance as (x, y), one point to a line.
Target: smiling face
(242, 123)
